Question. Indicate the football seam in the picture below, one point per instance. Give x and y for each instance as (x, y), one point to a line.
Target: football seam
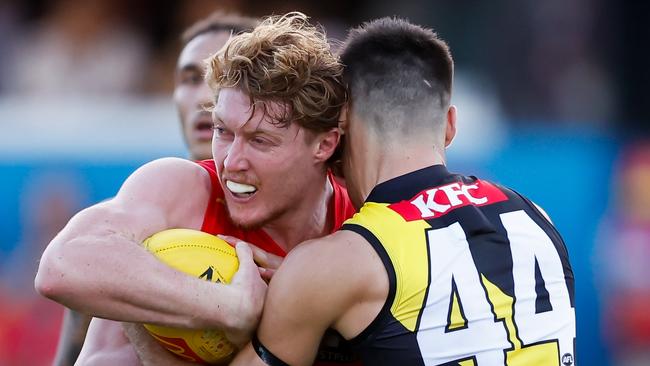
(194, 246)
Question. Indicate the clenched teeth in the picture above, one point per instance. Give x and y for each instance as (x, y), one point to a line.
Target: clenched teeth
(235, 187)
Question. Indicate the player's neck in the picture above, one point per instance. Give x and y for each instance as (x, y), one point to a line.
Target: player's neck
(308, 219)
(390, 164)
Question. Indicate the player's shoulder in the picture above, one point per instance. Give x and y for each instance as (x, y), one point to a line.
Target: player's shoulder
(166, 177)
(524, 200)
(171, 164)
(170, 170)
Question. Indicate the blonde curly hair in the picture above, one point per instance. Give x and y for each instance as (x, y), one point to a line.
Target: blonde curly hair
(284, 59)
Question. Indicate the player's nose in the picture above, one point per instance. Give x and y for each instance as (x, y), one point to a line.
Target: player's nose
(236, 159)
(205, 97)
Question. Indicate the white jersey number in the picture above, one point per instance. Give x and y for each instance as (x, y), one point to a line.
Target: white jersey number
(469, 320)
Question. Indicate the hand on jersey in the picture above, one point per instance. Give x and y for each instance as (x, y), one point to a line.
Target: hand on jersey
(251, 291)
(268, 263)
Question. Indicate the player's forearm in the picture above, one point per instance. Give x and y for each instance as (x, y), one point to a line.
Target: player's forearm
(115, 278)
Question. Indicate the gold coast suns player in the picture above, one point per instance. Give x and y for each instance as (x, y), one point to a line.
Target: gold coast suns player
(436, 268)
(191, 97)
(279, 93)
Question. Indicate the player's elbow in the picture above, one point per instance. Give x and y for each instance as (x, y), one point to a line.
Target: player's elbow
(52, 279)
(48, 281)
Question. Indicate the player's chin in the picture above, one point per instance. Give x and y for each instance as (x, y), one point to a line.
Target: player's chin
(200, 151)
(203, 150)
(252, 214)
(248, 221)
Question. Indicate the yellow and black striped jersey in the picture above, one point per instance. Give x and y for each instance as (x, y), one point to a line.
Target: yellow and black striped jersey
(478, 275)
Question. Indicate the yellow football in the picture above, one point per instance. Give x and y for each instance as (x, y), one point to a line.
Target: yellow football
(204, 256)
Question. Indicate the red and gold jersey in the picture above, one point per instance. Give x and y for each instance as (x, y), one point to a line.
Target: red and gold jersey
(334, 350)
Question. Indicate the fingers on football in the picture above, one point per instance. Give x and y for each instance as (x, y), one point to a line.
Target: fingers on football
(244, 254)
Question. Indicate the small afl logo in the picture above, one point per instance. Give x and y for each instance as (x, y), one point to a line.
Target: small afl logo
(567, 359)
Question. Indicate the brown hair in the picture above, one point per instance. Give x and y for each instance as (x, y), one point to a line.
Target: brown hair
(219, 21)
(287, 60)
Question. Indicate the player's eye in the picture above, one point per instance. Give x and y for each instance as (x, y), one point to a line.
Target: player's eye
(258, 141)
(221, 132)
(191, 78)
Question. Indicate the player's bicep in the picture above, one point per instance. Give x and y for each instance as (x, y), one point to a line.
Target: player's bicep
(159, 195)
(150, 200)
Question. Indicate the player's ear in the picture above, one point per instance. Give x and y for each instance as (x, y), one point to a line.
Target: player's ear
(326, 143)
(450, 129)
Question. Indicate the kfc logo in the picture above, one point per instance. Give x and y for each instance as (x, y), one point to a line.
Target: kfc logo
(438, 201)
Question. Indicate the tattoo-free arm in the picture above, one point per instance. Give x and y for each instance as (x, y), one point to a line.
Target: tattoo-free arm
(335, 282)
(96, 264)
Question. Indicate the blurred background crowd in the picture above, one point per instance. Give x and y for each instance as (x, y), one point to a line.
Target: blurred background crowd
(552, 99)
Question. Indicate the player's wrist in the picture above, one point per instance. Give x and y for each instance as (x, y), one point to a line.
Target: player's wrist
(214, 307)
(238, 311)
(241, 317)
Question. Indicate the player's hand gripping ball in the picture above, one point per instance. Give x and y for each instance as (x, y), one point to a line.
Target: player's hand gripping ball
(204, 256)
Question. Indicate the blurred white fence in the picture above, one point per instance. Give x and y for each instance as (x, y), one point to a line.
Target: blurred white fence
(92, 128)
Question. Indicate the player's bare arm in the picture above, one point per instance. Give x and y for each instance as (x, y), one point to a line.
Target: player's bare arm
(96, 264)
(305, 298)
(132, 345)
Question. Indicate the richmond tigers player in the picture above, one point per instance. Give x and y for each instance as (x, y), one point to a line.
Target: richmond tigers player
(436, 268)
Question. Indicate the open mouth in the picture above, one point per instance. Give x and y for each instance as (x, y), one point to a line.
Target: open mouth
(240, 190)
(204, 126)
(203, 130)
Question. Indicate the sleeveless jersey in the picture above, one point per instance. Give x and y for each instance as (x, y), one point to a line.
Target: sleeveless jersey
(477, 275)
(333, 350)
